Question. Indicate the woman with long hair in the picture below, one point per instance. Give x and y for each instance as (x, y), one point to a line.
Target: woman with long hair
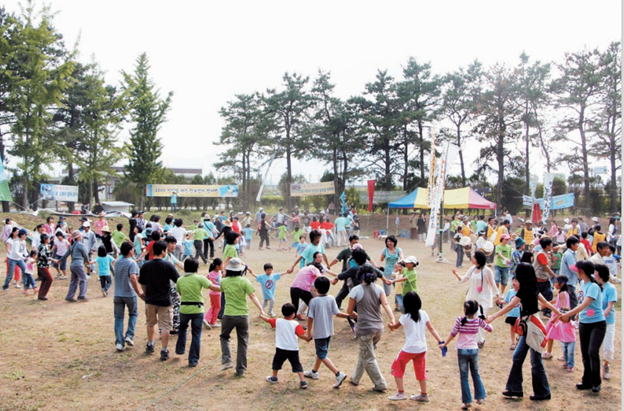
(592, 325)
(481, 287)
(528, 298)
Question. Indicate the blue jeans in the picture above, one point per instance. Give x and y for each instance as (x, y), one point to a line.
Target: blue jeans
(196, 321)
(399, 300)
(120, 306)
(12, 264)
(29, 281)
(501, 275)
(568, 352)
(538, 374)
(469, 362)
(105, 282)
(460, 255)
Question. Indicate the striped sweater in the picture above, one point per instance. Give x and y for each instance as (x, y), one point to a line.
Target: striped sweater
(467, 338)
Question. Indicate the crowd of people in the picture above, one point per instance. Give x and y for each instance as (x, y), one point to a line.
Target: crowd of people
(515, 270)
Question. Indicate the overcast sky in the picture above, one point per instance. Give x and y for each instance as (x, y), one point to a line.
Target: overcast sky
(208, 51)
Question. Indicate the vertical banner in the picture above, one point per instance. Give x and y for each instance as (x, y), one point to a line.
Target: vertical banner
(343, 200)
(264, 178)
(438, 193)
(371, 194)
(548, 186)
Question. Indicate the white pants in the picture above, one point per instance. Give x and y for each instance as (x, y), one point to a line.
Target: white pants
(342, 238)
(608, 345)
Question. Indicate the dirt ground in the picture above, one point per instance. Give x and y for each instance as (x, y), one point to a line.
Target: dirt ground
(61, 356)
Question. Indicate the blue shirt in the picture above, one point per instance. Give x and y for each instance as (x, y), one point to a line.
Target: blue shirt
(515, 312)
(248, 233)
(390, 260)
(568, 260)
(124, 267)
(593, 313)
(308, 253)
(340, 224)
(188, 247)
(103, 264)
(481, 226)
(174, 199)
(609, 294)
(268, 284)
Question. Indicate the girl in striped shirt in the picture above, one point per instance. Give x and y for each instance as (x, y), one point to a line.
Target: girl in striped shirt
(466, 329)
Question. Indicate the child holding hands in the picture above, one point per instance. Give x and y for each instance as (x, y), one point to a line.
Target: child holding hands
(414, 322)
(286, 347)
(466, 329)
(321, 328)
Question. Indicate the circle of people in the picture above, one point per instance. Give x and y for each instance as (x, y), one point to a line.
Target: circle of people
(146, 269)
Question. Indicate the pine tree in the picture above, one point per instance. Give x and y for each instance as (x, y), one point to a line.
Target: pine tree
(147, 112)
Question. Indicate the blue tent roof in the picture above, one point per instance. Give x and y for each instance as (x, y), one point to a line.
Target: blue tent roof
(406, 202)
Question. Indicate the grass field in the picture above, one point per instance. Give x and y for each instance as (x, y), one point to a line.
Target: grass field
(61, 356)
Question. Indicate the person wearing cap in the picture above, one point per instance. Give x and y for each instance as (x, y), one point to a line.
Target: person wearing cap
(80, 257)
(236, 315)
(408, 276)
(16, 254)
(108, 243)
(89, 241)
(516, 256)
(155, 277)
(466, 227)
(503, 261)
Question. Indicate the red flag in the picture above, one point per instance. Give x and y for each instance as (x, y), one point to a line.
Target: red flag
(371, 194)
(537, 213)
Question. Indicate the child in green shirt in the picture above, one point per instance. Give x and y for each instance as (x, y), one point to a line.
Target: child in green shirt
(409, 275)
(282, 234)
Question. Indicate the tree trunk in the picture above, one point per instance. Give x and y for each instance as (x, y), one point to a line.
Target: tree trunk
(405, 159)
(336, 177)
(526, 151)
(500, 158)
(388, 162)
(585, 165)
(461, 156)
(25, 188)
(288, 176)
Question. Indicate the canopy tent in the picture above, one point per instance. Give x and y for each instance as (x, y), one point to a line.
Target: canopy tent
(459, 198)
(418, 196)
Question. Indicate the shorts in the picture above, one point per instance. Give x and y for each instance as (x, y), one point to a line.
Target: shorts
(419, 360)
(501, 275)
(62, 265)
(511, 320)
(163, 316)
(322, 347)
(282, 355)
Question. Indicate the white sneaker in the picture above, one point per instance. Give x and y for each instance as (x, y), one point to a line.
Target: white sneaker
(420, 397)
(398, 397)
(120, 347)
(207, 325)
(17, 286)
(129, 341)
(312, 374)
(339, 379)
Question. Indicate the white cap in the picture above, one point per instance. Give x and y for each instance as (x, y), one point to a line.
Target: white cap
(595, 219)
(86, 224)
(566, 220)
(411, 259)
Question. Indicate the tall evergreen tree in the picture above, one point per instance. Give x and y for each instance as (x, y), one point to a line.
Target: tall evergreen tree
(578, 91)
(41, 71)
(289, 110)
(461, 95)
(148, 112)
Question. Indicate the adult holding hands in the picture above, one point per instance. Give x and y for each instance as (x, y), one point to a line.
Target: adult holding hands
(528, 298)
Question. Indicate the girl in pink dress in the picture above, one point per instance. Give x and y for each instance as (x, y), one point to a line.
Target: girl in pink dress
(560, 331)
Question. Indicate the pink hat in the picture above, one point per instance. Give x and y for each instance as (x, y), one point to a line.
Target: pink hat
(75, 234)
(356, 246)
(504, 237)
(573, 268)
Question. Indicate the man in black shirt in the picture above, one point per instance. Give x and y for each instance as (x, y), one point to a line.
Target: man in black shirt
(155, 278)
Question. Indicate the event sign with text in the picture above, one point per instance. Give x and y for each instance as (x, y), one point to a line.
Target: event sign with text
(187, 190)
(316, 189)
(54, 192)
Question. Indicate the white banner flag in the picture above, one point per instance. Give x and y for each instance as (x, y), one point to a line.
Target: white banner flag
(435, 201)
(548, 186)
